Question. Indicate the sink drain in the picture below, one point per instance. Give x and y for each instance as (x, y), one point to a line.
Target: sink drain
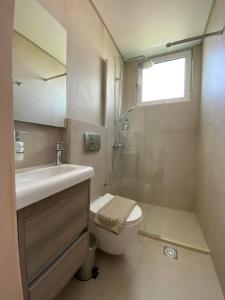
(170, 252)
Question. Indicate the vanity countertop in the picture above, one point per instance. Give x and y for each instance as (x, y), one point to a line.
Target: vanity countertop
(37, 183)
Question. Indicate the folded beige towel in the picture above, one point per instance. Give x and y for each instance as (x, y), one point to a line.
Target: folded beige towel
(114, 214)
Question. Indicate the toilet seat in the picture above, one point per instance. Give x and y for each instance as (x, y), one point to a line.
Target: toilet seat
(134, 216)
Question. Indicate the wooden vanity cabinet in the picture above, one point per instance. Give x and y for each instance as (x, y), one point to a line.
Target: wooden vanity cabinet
(53, 241)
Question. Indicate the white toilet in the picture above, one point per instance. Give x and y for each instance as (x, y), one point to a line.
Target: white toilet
(108, 241)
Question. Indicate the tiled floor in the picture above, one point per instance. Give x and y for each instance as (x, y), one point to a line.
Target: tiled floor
(145, 274)
(172, 225)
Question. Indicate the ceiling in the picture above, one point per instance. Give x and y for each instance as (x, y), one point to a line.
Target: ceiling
(36, 24)
(143, 27)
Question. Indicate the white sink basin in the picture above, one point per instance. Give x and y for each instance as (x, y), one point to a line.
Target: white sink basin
(43, 173)
(35, 184)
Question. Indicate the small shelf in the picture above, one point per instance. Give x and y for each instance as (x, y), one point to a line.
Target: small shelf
(128, 131)
(129, 152)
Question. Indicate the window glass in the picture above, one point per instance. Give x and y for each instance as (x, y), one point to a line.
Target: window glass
(164, 80)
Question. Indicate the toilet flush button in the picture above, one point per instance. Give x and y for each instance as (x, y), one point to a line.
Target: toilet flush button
(92, 142)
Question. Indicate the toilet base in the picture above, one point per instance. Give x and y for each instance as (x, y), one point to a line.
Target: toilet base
(112, 243)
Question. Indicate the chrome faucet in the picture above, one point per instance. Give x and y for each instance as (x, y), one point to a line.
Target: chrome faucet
(59, 151)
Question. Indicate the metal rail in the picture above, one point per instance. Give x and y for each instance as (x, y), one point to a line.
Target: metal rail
(194, 38)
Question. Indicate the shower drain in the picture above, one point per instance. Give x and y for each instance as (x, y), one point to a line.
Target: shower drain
(170, 252)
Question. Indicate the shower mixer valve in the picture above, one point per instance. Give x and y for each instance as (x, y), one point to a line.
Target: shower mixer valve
(118, 146)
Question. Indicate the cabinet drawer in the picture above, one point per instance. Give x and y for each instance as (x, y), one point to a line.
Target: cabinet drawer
(56, 277)
(50, 225)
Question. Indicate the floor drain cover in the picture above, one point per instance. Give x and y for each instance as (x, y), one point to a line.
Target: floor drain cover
(170, 252)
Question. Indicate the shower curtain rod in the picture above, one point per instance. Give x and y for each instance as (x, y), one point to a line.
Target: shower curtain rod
(194, 38)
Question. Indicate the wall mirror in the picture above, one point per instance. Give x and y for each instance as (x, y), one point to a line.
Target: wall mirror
(39, 65)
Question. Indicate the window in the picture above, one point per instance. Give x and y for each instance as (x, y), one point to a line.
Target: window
(165, 79)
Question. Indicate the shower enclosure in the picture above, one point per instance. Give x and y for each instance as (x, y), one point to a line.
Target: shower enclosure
(154, 162)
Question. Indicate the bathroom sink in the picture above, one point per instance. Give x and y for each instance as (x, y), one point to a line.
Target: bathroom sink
(43, 173)
(35, 184)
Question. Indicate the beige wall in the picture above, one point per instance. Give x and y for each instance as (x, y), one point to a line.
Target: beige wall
(10, 282)
(211, 187)
(162, 169)
(76, 153)
(40, 143)
(89, 48)
(88, 44)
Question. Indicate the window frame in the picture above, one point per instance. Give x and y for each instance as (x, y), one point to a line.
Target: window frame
(187, 54)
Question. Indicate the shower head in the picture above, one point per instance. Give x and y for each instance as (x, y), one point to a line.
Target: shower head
(124, 115)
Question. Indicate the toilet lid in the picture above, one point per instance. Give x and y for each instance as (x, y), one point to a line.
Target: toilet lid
(134, 216)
